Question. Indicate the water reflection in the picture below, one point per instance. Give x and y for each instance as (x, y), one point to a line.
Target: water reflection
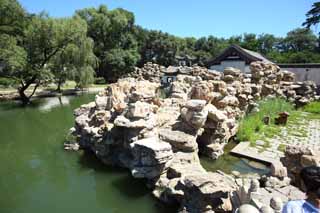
(228, 163)
(37, 175)
(49, 103)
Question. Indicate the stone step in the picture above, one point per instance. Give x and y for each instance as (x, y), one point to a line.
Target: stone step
(243, 149)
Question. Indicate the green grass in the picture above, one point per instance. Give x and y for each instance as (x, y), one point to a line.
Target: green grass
(313, 107)
(252, 127)
(282, 147)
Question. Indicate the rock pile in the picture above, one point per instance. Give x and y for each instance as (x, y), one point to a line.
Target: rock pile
(231, 94)
(129, 125)
(298, 157)
(150, 71)
(265, 193)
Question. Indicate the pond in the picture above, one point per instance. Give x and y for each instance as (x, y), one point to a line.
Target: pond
(228, 163)
(37, 175)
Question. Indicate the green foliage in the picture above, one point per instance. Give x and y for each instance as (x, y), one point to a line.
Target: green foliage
(252, 127)
(31, 54)
(7, 82)
(115, 46)
(99, 80)
(300, 39)
(313, 16)
(36, 49)
(282, 147)
(12, 17)
(313, 107)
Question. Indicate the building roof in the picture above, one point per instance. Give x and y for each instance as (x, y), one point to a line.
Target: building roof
(235, 52)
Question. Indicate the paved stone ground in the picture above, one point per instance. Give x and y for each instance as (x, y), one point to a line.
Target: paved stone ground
(305, 132)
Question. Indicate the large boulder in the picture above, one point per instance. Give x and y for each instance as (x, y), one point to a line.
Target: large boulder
(179, 140)
(151, 158)
(206, 193)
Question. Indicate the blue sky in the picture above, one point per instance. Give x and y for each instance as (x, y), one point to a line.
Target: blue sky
(221, 18)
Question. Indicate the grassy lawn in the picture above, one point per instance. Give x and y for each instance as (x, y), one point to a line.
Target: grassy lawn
(252, 127)
(313, 107)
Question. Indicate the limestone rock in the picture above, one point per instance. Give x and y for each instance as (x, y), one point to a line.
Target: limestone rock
(206, 193)
(195, 104)
(151, 158)
(179, 140)
(138, 110)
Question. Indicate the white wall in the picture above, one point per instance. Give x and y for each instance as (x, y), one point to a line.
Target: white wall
(303, 75)
(236, 64)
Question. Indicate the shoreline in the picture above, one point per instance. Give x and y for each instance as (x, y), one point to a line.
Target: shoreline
(44, 93)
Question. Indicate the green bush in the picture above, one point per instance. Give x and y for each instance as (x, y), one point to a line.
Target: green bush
(313, 107)
(7, 82)
(99, 80)
(252, 127)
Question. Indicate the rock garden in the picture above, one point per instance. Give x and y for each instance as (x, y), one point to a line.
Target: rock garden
(159, 135)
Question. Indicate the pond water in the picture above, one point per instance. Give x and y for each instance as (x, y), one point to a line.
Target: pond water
(37, 175)
(228, 163)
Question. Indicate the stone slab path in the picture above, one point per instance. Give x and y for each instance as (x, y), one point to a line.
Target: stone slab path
(243, 149)
(305, 133)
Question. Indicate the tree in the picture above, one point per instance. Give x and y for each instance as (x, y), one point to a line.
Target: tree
(43, 38)
(12, 18)
(250, 41)
(75, 62)
(115, 45)
(267, 43)
(159, 47)
(300, 39)
(313, 16)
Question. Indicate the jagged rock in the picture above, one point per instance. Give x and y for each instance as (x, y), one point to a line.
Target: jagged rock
(195, 104)
(132, 126)
(185, 163)
(228, 101)
(194, 113)
(138, 110)
(297, 157)
(203, 193)
(215, 114)
(151, 158)
(148, 123)
(231, 71)
(278, 170)
(179, 140)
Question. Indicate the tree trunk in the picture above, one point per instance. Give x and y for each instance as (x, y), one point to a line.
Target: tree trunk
(23, 97)
(21, 90)
(59, 85)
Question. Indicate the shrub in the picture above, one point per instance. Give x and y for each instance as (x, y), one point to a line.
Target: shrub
(99, 80)
(7, 82)
(252, 127)
(313, 107)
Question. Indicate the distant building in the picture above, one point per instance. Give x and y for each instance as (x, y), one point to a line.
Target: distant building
(237, 57)
(170, 74)
(185, 60)
(240, 58)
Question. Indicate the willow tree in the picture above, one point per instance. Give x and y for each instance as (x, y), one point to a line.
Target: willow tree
(43, 38)
(77, 62)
